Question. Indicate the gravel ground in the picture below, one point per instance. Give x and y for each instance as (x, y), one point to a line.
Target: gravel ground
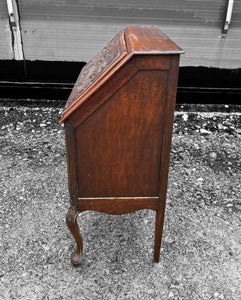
(201, 249)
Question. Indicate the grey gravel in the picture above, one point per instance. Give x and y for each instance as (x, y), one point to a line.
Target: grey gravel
(201, 250)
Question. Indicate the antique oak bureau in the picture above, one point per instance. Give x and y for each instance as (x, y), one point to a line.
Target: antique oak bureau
(118, 129)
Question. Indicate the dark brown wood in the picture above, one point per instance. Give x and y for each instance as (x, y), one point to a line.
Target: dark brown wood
(118, 126)
(71, 220)
(71, 163)
(160, 212)
(165, 151)
(118, 205)
(125, 160)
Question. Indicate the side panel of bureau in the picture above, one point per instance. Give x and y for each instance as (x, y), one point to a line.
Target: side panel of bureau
(118, 146)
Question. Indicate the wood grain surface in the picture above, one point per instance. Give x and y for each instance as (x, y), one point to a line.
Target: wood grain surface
(119, 145)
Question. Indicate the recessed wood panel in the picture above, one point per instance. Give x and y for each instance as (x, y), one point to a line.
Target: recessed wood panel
(118, 146)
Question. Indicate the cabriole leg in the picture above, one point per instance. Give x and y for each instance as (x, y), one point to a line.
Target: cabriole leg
(71, 220)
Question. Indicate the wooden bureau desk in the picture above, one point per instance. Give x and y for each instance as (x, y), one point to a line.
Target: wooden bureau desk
(118, 126)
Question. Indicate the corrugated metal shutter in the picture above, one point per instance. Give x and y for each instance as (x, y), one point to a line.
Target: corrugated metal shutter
(76, 30)
(6, 51)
